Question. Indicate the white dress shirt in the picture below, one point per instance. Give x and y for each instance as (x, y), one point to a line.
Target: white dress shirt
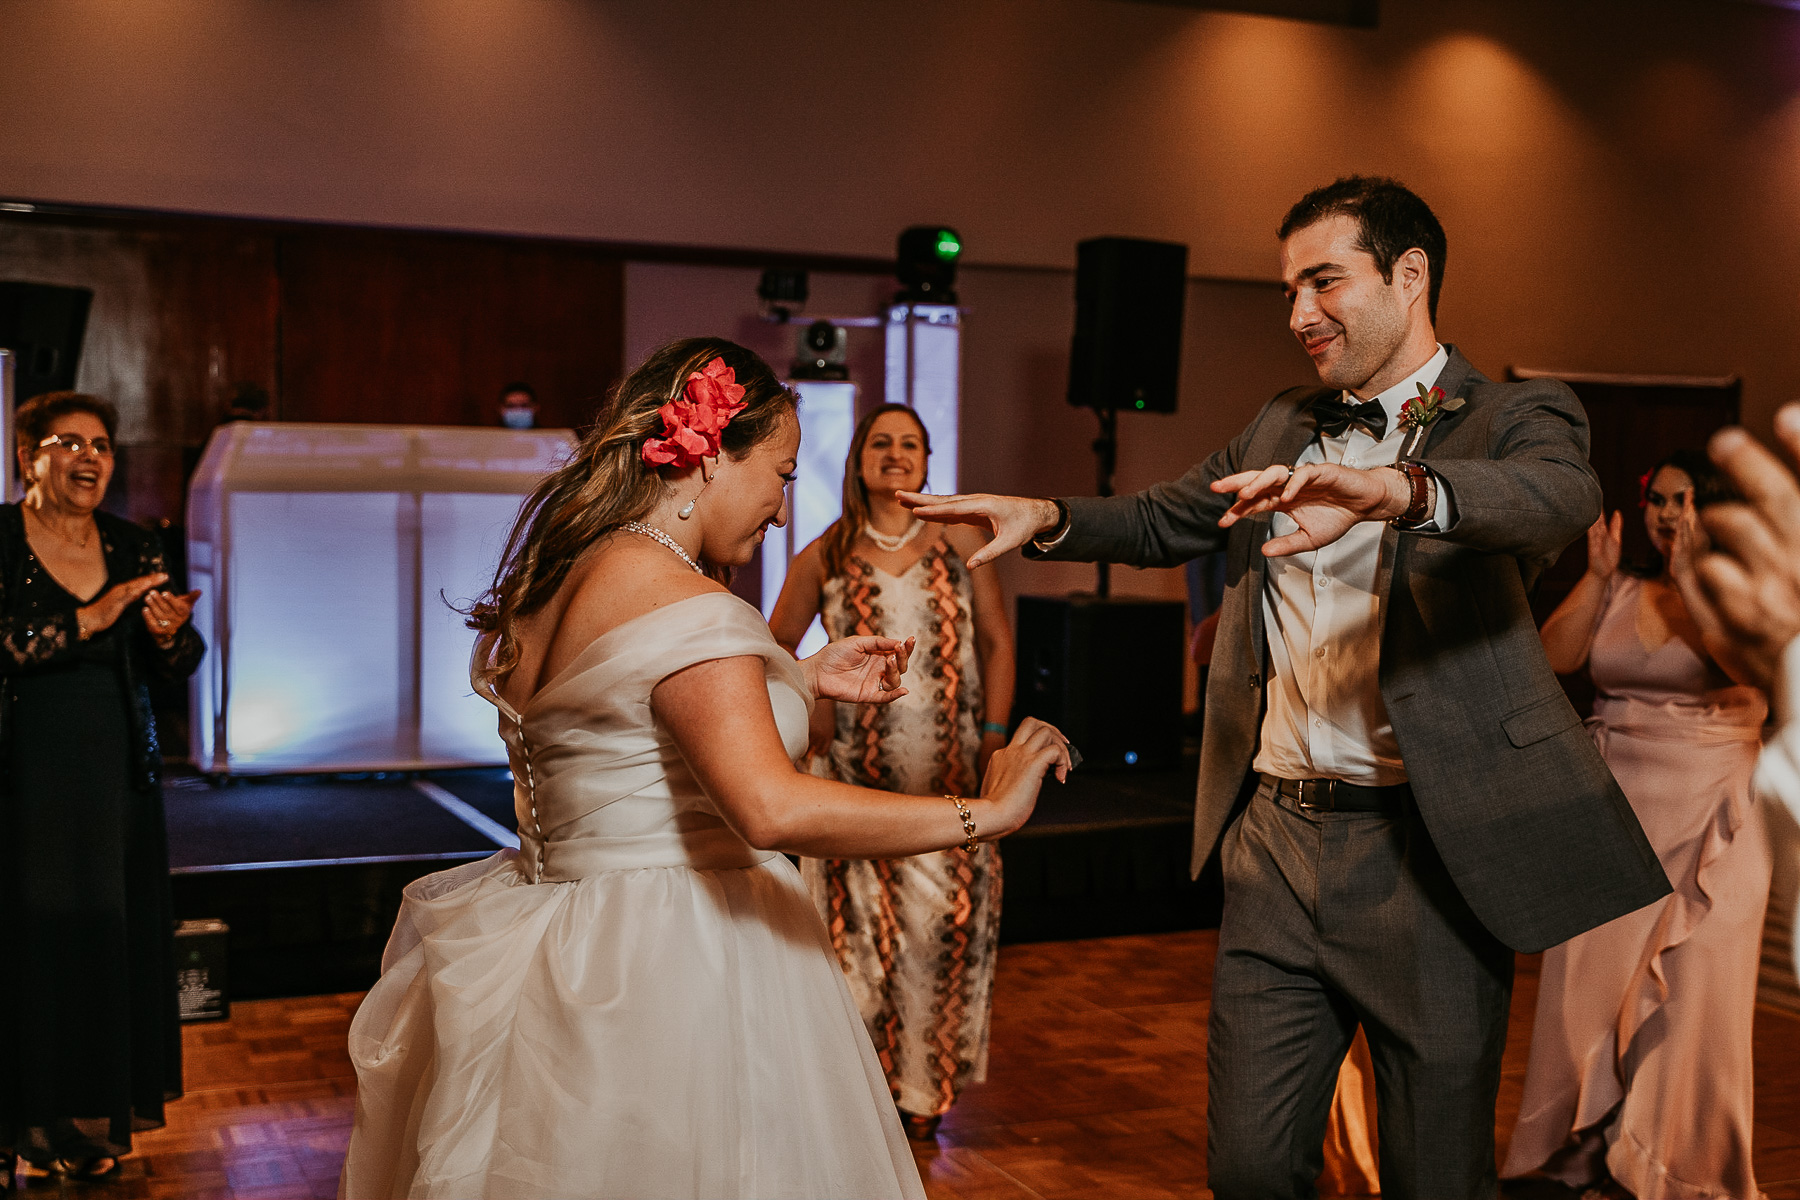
(1326, 718)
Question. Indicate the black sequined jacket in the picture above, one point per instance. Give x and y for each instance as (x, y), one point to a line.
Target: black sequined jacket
(36, 634)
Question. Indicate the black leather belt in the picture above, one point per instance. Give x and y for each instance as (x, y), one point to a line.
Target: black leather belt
(1334, 795)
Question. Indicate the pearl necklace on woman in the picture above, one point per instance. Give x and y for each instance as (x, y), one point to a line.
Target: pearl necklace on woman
(657, 535)
(894, 542)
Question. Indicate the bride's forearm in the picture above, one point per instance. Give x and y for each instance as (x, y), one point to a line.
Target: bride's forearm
(719, 715)
(821, 818)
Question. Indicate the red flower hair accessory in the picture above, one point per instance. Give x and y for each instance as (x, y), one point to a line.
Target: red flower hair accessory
(694, 421)
(1644, 488)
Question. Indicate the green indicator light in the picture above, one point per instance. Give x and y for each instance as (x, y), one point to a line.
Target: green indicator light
(947, 245)
(1140, 404)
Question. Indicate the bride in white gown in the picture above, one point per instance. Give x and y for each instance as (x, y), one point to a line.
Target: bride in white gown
(640, 1001)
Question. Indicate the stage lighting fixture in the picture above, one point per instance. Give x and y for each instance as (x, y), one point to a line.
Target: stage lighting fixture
(782, 290)
(823, 352)
(925, 263)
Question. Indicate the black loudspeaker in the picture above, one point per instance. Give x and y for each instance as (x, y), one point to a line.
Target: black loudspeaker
(1107, 672)
(43, 325)
(1126, 354)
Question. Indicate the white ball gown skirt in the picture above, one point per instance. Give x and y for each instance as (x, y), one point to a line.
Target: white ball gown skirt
(650, 1032)
(660, 1013)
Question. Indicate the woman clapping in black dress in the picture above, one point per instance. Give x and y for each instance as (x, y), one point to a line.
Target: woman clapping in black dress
(91, 1048)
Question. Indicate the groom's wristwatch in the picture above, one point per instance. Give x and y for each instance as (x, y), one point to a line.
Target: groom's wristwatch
(1419, 507)
(1045, 541)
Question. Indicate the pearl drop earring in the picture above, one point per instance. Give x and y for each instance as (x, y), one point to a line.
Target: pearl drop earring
(687, 510)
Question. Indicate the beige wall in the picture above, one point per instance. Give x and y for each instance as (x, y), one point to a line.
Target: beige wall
(1621, 178)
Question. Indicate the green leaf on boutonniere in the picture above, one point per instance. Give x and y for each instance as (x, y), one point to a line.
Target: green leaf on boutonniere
(1427, 407)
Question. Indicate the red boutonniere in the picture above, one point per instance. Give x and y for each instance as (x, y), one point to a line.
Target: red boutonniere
(1418, 413)
(694, 421)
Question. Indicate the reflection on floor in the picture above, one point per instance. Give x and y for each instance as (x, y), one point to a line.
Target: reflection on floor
(1097, 1087)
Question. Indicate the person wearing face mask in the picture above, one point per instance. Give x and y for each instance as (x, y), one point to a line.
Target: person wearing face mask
(640, 1000)
(917, 937)
(92, 1045)
(518, 406)
(1650, 1014)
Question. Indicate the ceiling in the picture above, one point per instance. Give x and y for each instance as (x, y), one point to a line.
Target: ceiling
(1359, 13)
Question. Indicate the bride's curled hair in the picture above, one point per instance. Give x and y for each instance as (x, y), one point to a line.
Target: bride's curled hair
(606, 482)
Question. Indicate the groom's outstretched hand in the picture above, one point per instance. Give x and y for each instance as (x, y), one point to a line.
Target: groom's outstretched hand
(1010, 520)
(1323, 499)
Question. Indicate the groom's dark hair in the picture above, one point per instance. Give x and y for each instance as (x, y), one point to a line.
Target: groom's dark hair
(1392, 220)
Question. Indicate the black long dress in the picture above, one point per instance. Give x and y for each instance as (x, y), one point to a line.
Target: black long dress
(90, 1048)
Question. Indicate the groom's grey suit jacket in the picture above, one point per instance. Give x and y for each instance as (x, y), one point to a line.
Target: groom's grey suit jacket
(1531, 824)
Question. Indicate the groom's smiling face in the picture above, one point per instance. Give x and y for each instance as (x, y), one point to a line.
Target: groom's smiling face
(1350, 320)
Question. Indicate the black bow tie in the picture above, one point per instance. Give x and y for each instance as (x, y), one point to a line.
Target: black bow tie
(1331, 416)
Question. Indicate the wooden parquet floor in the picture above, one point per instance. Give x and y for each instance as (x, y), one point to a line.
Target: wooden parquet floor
(1096, 1088)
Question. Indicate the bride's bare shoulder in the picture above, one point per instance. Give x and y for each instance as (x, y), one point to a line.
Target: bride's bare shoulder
(619, 580)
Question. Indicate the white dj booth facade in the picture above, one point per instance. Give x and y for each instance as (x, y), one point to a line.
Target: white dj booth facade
(330, 557)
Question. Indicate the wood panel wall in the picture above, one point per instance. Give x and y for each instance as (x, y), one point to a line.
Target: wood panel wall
(332, 324)
(427, 329)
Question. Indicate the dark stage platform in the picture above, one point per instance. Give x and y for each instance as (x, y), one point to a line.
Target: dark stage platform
(308, 871)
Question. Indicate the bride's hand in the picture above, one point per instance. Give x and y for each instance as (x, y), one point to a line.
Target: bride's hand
(860, 670)
(1016, 772)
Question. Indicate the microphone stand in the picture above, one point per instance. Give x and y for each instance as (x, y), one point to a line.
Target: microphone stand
(1106, 455)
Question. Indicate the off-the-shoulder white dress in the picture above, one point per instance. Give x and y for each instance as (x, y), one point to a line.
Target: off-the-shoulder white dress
(636, 1002)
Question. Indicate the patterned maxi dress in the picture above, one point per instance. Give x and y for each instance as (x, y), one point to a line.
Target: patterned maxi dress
(917, 937)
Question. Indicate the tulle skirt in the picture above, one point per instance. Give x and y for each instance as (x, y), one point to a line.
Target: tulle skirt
(651, 1032)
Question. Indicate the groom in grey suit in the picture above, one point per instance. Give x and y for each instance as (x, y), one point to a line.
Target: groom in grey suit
(1404, 794)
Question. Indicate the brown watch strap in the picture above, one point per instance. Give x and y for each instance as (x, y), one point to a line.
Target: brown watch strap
(1418, 506)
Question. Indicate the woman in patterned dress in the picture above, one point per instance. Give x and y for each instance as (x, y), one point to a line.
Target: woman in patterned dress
(917, 937)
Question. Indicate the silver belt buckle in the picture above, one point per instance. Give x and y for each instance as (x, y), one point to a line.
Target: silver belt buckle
(1316, 795)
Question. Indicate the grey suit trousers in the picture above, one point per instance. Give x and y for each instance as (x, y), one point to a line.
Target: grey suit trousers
(1331, 920)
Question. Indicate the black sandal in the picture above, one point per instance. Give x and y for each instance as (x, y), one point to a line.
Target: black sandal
(919, 1129)
(88, 1169)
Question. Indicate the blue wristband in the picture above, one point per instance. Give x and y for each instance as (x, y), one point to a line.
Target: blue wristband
(993, 727)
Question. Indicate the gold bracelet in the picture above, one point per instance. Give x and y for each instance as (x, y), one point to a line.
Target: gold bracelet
(968, 822)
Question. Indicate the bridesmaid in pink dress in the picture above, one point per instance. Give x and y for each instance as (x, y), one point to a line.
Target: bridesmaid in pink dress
(1639, 1079)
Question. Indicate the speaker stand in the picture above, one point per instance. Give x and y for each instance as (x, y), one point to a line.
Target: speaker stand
(1106, 458)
